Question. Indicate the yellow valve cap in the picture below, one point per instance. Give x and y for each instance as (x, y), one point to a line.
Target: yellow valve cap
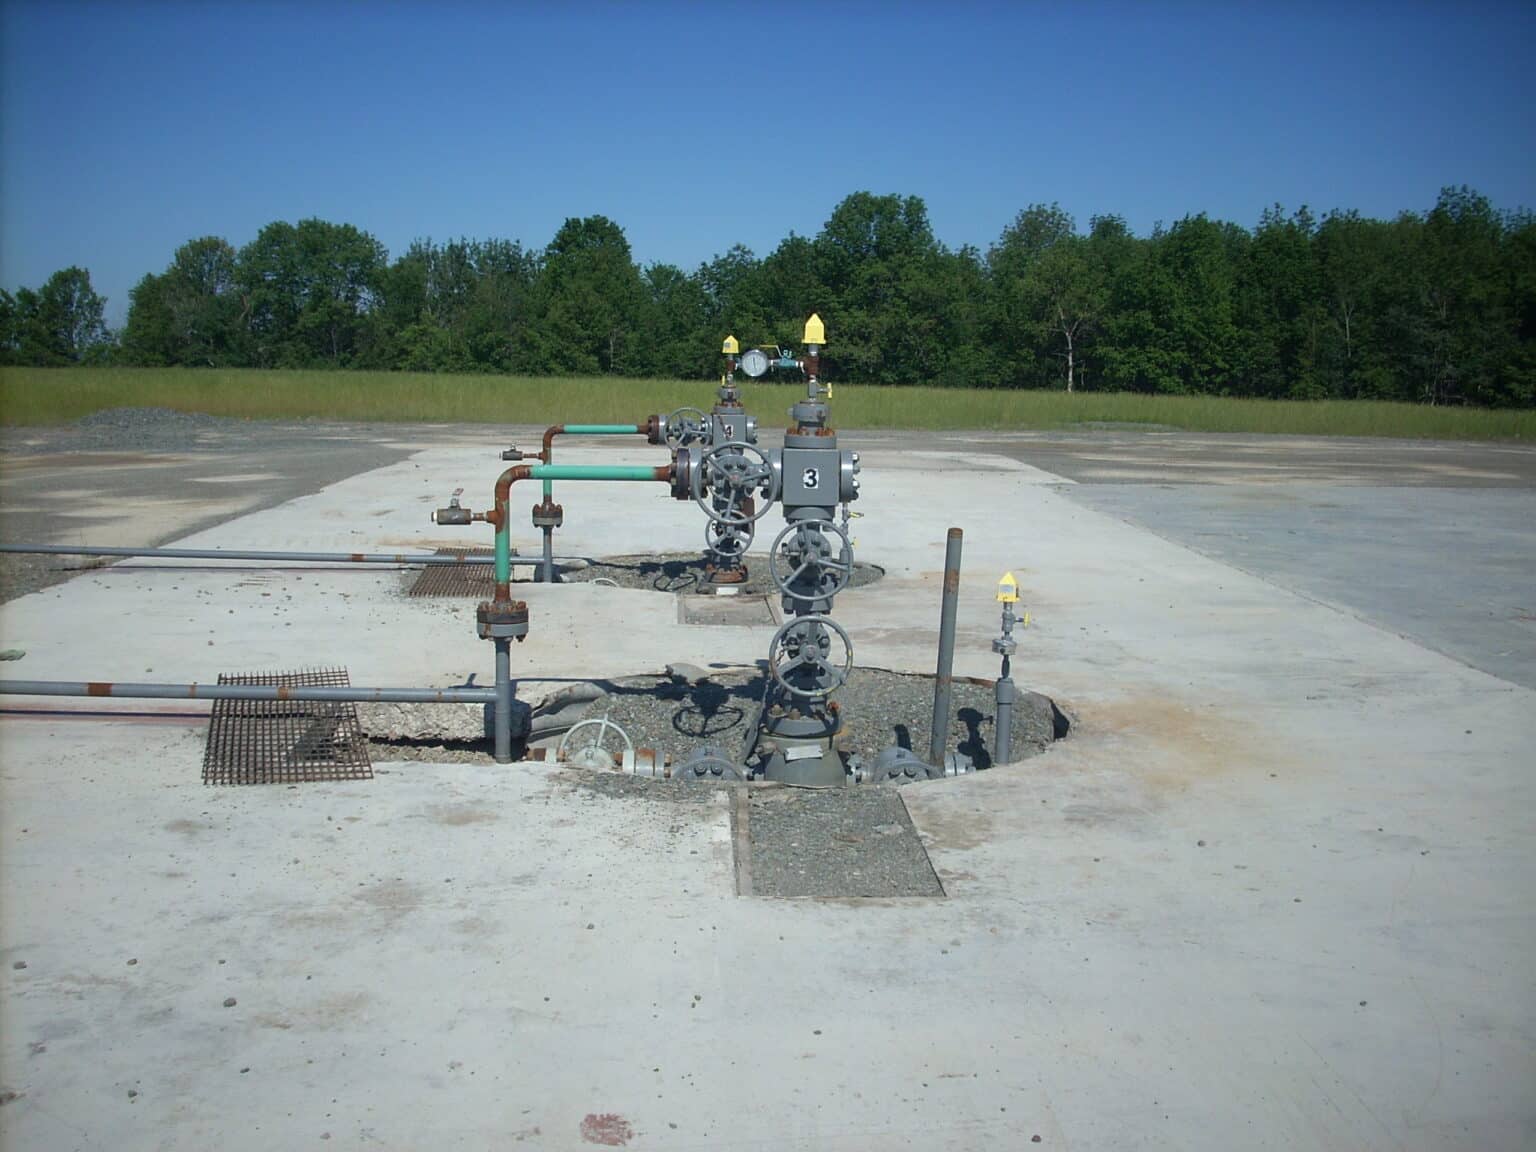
(730, 347)
(815, 331)
(1008, 589)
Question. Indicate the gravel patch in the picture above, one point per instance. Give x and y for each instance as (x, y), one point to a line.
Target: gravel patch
(880, 708)
(849, 843)
(130, 430)
(673, 717)
(684, 572)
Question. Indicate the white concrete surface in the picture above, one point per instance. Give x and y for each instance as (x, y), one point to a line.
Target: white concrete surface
(412, 959)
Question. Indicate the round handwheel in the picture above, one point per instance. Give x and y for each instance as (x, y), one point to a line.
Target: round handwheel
(806, 642)
(736, 469)
(592, 754)
(832, 569)
(686, 425)
(731, 540)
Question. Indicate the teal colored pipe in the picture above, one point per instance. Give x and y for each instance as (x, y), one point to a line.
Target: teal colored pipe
(582, 430)
(547, 472)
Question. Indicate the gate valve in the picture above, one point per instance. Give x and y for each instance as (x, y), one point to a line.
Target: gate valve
(516, 454)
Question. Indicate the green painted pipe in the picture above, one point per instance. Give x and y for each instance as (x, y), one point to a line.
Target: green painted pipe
(599, 471)
(623, 472)
(584, 430)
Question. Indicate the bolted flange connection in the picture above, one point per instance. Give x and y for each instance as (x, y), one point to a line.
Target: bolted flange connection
(501, 620)
(548, 514)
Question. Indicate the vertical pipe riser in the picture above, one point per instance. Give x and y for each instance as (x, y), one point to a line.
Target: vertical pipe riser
(502, 720)
(1003, 751)
(943, 682)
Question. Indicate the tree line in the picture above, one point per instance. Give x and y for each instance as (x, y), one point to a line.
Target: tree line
(1438, 307)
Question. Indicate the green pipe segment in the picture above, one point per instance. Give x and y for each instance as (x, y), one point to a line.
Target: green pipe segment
(563, 472)
(594, 430)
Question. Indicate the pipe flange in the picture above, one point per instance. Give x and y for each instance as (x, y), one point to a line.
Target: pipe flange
(502, 619)
(548, 514)
(900, 766)
(709, 765)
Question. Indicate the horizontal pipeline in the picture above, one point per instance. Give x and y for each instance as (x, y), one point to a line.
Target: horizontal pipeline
(355, 694)
(237, 554)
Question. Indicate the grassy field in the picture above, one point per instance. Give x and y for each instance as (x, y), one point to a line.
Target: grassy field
(32, 396)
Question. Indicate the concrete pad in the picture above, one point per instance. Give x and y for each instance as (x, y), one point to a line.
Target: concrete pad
(1095, 976)
(1451, 568)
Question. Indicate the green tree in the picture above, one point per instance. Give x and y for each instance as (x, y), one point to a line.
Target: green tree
(1024, 295)
(871, 257)
(60, 323)
(308, 290)
(189, 314)
(587, 304)
(1280, 306)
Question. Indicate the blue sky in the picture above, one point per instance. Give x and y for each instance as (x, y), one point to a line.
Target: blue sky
(127, 129)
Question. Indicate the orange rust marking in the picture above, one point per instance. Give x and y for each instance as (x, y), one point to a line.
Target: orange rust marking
(357, 557)
(99, 688)
(282, 692)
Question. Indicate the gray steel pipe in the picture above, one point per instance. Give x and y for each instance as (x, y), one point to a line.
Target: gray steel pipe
(1005, 694)
(943, 677)
(244, 554)
(501, 718)
(353, 693)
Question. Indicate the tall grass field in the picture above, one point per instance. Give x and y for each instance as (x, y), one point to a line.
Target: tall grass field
(41, 396)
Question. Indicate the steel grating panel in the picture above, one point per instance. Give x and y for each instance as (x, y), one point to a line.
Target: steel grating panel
(468, 580)
(285, 741)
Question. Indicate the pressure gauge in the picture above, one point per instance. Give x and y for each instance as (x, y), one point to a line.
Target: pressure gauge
(754, 363)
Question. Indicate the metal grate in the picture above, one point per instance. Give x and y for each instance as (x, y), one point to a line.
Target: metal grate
(285, 741)
(468, 580)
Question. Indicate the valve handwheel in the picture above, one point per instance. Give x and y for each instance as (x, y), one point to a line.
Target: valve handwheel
(731, 540)
(685, 425)
(737, 468)
(818, 558)
(592, 754)
(806, 634)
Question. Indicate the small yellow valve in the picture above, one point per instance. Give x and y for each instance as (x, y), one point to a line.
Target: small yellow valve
(730, 347)
(815, 331)
(1008, 589)
(1025, 620)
